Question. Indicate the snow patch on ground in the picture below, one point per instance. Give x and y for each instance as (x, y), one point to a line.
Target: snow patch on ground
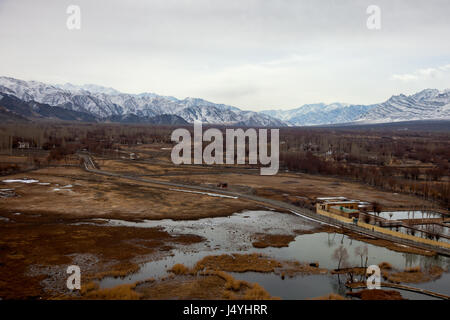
(64, 188)
(25, 180)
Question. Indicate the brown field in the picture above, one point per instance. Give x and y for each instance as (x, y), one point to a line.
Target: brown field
(238, 263)
(217, 285)
(249, 263)
(94, 196)
(285, 186)
(414, 275)
(34, 248)
(48, 234)
(273, 240)
(331, 296)
(376, 294)
(44, 237)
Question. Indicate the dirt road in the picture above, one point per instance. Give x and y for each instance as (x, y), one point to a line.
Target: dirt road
(302, 212)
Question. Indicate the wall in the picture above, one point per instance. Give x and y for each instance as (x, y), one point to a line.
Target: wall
(385, 231)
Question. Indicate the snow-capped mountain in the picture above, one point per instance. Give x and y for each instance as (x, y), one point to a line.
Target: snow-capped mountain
(105, 103)
(108, 104)
(88, 87)
(428, 104)
(320, 113)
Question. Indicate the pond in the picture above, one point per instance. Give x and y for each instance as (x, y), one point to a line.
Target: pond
(234, 234)
(400, 215)
(434, 228)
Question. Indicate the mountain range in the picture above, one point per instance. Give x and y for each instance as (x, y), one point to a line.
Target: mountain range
(320, 114)
(32, 100)
(107, 104)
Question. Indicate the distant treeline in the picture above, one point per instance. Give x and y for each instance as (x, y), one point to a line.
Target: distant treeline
(408, 161)
(398, 161)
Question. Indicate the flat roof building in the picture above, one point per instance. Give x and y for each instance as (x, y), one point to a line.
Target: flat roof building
(339, 205)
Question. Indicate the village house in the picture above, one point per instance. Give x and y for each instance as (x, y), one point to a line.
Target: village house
(340, 206)
(24, 145)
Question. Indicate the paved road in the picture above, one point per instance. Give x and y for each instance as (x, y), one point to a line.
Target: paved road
(302, 212)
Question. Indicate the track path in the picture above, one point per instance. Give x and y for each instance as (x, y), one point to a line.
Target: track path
(89, 165)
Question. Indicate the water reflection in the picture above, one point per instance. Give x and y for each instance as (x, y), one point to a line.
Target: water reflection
(399, 215)
(321, 246)
(235, 235)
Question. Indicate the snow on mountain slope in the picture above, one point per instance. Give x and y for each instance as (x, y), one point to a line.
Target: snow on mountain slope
(428, 104)
(106, 102)
(88, 87)
(320, 113)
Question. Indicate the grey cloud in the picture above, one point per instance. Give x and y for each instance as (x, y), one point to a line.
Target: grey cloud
(187, 47)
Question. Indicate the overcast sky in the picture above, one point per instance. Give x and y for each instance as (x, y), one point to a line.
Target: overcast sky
(254, 54)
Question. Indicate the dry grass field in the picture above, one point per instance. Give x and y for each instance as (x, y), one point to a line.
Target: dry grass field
(72, 192)
(48, 224)
(283, 186)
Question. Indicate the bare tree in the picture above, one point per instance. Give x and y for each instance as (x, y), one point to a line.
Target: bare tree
(341, 256)
(362, 251)
(376, 207)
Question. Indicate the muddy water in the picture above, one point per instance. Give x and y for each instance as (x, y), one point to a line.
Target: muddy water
(235, 234)
(310, 286)
(434, 228)
(299, 287)
(397, 215)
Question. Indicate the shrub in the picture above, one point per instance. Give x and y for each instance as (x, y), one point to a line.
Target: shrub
(413, 269)
(256, 292)
(385, 265)
(179, 269)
